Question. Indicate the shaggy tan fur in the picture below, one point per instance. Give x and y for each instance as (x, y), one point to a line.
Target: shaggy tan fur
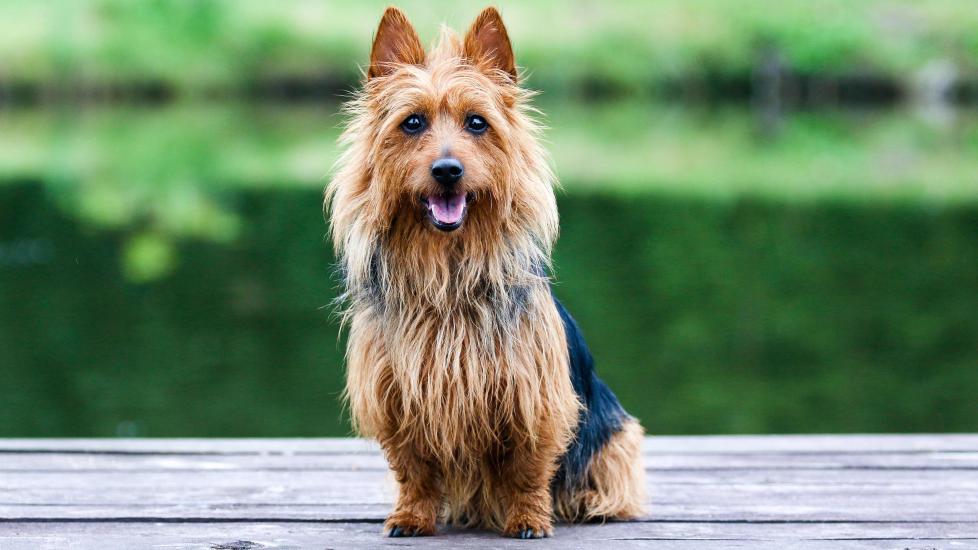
(457, 359)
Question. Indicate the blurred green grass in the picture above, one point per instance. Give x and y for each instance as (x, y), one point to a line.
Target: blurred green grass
(121, 156)
(199, 45)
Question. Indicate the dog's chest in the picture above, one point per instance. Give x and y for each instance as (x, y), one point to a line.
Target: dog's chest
(466, 385)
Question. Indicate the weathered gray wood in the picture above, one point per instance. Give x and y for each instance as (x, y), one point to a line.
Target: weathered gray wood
(847, 443)
(50, 461)
(705, 492)
(353, 535)
(843, 495)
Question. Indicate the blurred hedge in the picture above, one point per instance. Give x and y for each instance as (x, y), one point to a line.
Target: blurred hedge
(744, 316)
(196, 46)
(759, 316)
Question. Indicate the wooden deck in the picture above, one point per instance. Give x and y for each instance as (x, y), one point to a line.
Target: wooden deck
(899, 492)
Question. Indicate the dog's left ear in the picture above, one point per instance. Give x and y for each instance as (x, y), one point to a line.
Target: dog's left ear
(487, 43)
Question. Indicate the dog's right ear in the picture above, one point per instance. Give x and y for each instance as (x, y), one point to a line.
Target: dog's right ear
(395, 43)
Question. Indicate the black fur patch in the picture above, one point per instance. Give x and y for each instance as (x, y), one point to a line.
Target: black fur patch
(602, 417)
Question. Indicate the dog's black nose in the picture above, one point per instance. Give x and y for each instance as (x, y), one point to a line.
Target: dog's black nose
(447, 171)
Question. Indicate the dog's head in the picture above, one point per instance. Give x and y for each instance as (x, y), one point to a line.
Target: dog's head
(441, 140)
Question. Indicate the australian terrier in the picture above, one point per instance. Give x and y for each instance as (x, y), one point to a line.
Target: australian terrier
(462, 364)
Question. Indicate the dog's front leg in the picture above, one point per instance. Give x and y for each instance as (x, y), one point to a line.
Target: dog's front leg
(525, 483)
(419, 494)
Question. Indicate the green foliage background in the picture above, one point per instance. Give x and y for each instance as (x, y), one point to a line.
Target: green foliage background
(196, 45)
(747, 316)
(165, 270)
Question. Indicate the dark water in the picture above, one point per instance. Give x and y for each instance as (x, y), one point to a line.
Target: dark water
(704, 316)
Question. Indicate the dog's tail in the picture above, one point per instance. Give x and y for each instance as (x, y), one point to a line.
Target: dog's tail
(614, 484)
(601, 473)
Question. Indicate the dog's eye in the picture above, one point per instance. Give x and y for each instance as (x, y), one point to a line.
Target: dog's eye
(476, 124)
(414, 124)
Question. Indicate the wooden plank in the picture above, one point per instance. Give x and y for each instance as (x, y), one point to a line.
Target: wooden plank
(216, 446)
(358, 484)
(817, 479)
(705, 492)
(80, 462)
(665, 535)
(772, 495)
(722, 509)
(725, 445)
(811, 444)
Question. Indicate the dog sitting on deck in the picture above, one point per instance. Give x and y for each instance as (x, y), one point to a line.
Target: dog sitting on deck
(462, 364)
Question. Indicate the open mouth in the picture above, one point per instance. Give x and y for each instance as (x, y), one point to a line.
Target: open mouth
(447, 210)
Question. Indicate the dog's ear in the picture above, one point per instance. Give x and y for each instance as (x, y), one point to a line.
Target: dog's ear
(487, 43)
(396, 42)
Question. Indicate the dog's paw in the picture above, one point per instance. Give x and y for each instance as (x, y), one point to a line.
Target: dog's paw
(531, 533)
(408, 531)
(526, 529)
(408, 525)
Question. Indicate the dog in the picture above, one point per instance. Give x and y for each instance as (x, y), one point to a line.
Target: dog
(461, 362)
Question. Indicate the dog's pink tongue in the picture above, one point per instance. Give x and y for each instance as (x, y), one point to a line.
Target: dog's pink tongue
(447, 209)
